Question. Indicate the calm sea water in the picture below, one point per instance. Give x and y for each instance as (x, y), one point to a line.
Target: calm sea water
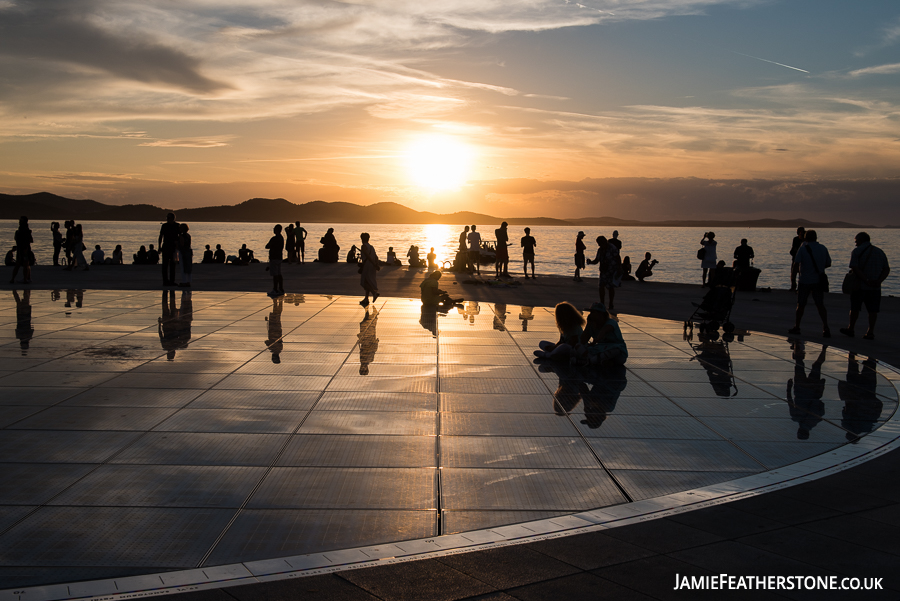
(674, 247)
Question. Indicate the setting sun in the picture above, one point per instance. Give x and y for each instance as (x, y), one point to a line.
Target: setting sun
(438, 162)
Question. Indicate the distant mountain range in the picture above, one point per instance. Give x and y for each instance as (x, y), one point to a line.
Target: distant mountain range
(46, 206)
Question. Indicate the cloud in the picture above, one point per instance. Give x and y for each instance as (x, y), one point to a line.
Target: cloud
(877, 70)
(210, 142)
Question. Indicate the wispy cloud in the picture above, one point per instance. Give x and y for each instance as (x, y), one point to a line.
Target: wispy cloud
(213, 142)
(876, 70)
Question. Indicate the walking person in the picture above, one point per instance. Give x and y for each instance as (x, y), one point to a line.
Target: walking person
(812, 259)
(708, 242)
(276, 249)
(474, 239)
(610, 269)
(300, 238)
(168, 244)
(57, 242)
(528, 243)
(186, 254)
(579, 256)
(795, 246)
(24, 240)
(869, 266)
(501, 256)
(367, 269)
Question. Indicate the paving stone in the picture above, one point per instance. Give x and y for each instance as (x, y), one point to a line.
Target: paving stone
(726, 521)
(590, 551)
(663, 536)
(427, 579)
(329, 587)
(576, 587)
(507, 567)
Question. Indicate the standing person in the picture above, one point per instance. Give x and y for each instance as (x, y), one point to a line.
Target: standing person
(501, 257)
(24, 239)
(579, 255)
(276, 250)
(474, 239)
(795, 246)
(168, 244)
(870, 267)
(290, 243)
(463, 240)
(187, 255)
(57, 241)
(610, 269)
(78, 246)
(432, 259)
(369, 265)
(300, 239)
(743, 254)
(615, 240)
(812, 260)
(69, 244)
(528, 243)
(708, 242)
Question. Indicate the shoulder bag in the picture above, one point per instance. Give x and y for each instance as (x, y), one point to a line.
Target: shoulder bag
(851, 280)
(823, 277)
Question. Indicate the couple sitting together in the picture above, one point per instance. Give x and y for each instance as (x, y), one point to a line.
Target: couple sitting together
(595, 341)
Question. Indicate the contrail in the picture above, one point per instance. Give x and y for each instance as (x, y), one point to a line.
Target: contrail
(773, 62)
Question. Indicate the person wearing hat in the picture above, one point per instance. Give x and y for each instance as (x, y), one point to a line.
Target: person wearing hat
(602, 342)
(579, 256)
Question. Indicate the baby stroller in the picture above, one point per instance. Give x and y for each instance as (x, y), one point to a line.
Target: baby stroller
(714, 311)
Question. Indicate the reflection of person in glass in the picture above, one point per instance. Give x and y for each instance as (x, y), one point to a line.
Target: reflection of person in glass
(600, 391)
(469, 311)
(275, 342)
(806, 406)
(175, 324)
(24, 328)
(74, 296)
(526, 314)
(500, 317)
(714, 357)
(862, 407)
(368, 340)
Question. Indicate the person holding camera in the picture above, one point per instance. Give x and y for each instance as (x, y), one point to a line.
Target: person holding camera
(645, 269)
(708, 260)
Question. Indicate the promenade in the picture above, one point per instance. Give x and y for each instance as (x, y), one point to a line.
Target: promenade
(125, 389)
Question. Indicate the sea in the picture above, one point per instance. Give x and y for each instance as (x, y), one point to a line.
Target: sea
(674, 247)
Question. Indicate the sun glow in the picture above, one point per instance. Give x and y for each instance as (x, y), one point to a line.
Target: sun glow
(438, 162)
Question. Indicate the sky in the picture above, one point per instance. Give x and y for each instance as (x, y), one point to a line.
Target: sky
(638, 109)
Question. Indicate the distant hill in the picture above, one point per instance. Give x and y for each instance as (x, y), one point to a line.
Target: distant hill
(47, 206)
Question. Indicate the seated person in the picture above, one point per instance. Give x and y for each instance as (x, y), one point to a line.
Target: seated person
(11, 257)
(117, 258)
(219, 255)
(140, 257)
(413, 256)
(602, 342)
(431, 259)
(245, 255)
(353, 255)
(97, 257)
(626, 270)
(207, 255)
(432, 296)
(570, 324)
(391, 258)
(722, 276)
(645, 269)
(152, 256)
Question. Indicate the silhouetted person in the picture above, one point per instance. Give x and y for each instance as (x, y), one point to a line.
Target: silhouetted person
(610, 269)
(391, 258)
(570, 324)
(368, 340)
(168, 245)
(626, 270)
(74, 296)
(615, 240)
(175, 324)
(870, 268)
(709, 260)
(275, 342)
(602, 342)
(300, 236)
(57, 241)
(464, 240)
(579, 256)
(600, 389)
(862, 407)
(79, 247)
(645, 269)
(721, 276)
(10, 260)
(474, 239)
(353, 255)
(795, 246)
(186, 253)
(743, 254)
(152, 256)
(368, 267)
(208, 255)
(24, 328)
(290, 243)
(140, 257)
(714, 357)
(501, 255)
(528, 243)
(499, 323)
(806, 406)
(526, 314)
(329, 251)
(98, 257)
(432, 295)
(432, 257)
(117, 258)
(24, 240)
(276, 255)
(812, 259)
(69, 242)
(413, 258)
(219, 255)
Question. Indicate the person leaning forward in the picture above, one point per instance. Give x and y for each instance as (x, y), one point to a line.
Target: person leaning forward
(869, 265)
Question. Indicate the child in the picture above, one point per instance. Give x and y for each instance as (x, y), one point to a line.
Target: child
(570, 324)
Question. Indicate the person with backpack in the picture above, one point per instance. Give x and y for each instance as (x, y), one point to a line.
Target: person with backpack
(812, 260)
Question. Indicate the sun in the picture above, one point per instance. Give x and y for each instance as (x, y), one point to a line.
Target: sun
(438, 162)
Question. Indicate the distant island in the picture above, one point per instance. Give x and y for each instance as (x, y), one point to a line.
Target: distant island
(47, 206)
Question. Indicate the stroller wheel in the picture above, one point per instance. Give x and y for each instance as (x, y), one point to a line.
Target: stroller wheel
(713, 335)
(728, 327)
(728, 337)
